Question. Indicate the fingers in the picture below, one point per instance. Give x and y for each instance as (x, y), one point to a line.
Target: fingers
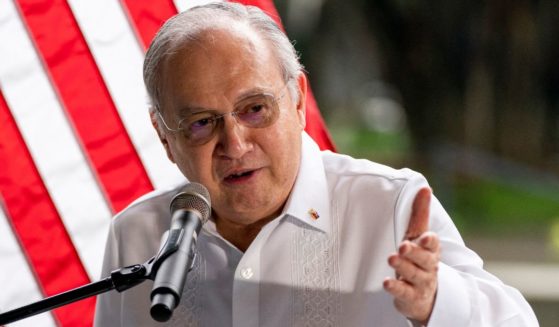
(414, 261)
(424, 251)
(407, 271)
(416, 267)
(429, 241)
(405, 293)
(419, 219)
(414, 303)
(416, 264)
(399, 289)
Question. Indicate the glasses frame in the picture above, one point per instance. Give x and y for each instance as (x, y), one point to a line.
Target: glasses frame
(218, 117)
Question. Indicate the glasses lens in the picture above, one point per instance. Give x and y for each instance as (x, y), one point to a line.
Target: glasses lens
(257, 111)
(199, 128)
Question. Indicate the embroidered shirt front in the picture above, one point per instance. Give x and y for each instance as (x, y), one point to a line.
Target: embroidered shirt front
(323, 267)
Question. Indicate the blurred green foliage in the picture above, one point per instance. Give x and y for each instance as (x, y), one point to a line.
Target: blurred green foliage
(478, 205)
(361, 142)
(494, 207)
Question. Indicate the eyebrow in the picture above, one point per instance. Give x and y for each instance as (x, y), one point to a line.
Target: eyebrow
(187, 110)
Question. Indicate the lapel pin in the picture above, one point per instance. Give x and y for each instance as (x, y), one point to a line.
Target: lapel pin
(314, 214)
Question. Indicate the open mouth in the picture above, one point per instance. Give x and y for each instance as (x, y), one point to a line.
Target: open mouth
(239, 176)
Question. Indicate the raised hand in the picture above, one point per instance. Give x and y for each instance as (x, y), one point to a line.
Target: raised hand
(416, 264)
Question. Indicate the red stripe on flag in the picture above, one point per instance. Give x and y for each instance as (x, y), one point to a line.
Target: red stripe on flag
(266, 5)
(86, 99)
(37, 224)
(148, 16)
(315, 124)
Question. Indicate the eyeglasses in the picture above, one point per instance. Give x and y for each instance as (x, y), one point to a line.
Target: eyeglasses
(255, 111)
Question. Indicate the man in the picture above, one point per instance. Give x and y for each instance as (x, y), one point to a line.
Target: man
(297, 237)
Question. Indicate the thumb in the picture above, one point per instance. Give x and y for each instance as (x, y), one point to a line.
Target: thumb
(419, 220)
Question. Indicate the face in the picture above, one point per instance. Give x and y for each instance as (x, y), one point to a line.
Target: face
(249, 172)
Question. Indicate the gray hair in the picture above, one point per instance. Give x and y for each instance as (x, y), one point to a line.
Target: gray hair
(187, 26)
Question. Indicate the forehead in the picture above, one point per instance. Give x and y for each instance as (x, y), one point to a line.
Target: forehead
(220, 63)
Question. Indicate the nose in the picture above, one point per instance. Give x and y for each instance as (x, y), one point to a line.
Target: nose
(233, 140)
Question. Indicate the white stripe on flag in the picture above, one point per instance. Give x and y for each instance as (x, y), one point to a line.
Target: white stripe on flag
(120, 58)
(183, 5)
(52, 143)
(18, 285)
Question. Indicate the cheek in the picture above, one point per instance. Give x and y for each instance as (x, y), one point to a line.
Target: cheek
(284, 145)
(293, 120)
(195, 164)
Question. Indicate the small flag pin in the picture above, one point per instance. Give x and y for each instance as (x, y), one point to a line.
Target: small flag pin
(314, 214)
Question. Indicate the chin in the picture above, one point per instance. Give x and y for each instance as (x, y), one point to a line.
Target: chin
(252, 213)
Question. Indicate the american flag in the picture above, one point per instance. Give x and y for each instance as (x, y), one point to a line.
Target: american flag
(76, 144)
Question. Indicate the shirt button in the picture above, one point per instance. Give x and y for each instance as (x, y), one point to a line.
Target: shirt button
(247, 273)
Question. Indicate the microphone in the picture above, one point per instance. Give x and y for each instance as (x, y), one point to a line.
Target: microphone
(190, 209)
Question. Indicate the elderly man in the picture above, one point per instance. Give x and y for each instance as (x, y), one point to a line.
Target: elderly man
(297, 237)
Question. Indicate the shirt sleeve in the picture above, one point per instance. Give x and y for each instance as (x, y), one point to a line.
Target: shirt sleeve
(467, 295)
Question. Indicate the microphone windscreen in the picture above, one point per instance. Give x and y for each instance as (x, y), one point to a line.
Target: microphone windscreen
(193, 196)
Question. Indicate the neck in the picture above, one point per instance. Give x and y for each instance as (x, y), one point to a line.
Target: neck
(241, 236)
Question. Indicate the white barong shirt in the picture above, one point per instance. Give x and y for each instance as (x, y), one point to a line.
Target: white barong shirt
(322, 262)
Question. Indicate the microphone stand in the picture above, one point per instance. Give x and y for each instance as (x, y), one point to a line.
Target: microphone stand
(120, 279)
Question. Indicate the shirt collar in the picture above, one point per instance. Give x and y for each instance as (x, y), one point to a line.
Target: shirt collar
(309, 200)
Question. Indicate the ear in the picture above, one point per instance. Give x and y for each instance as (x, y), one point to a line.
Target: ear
(161, 134)
(302, 102)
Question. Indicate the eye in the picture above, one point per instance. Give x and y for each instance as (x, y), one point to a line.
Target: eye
(256, 108)
(201, 123)
(254, 113)
(257, 111)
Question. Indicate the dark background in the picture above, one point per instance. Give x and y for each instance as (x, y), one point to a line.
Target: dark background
(466, 92)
